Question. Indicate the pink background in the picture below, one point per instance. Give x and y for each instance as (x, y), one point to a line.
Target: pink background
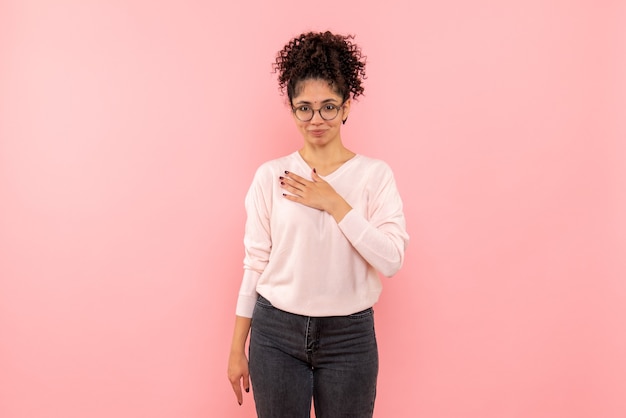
(129, 133)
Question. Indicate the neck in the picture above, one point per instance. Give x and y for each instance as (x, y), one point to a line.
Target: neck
(325, 159)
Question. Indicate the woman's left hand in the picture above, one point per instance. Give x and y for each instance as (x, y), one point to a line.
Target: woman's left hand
(316, 194)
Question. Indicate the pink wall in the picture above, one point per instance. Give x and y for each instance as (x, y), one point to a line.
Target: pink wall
(129, 133)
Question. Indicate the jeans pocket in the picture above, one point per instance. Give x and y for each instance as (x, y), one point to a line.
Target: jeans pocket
(264, 303)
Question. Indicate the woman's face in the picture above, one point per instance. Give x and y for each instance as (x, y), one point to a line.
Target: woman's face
(318, 94)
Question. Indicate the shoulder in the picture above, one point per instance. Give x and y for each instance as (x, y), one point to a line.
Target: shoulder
(373, 166)
(272, 168)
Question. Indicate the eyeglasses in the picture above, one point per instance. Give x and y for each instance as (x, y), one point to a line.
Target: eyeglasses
(327, 112)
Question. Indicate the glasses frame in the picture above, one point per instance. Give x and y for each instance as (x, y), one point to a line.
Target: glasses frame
(295, 108)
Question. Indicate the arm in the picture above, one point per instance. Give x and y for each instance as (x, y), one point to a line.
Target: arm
(381, 245)
(379, 234)
(381, 238)
(237, 361)
(257, 242)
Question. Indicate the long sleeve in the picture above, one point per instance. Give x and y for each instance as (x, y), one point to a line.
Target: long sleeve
(382, 239)
(257, 243)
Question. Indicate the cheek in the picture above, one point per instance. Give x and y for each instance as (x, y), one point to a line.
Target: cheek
(337, 123)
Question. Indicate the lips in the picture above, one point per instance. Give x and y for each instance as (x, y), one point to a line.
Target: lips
(317, 132)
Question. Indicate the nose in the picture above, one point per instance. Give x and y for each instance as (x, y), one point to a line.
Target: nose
(317, 117)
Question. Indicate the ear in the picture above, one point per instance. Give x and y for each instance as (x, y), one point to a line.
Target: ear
(346, 110)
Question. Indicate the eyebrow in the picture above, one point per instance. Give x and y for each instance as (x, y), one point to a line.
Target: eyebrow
(304, 102)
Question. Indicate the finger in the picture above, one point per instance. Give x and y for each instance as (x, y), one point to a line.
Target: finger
(290, 182)
(246, 383)
(291, 197)
(292, 186)
(316, 178)
(237, 390)
(295, 178)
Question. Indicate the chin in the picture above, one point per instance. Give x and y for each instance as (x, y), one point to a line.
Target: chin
(318, 141)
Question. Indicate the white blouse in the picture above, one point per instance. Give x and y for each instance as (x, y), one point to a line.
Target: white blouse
(304, 262)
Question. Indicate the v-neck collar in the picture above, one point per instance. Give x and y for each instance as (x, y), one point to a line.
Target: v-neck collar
(337, 172)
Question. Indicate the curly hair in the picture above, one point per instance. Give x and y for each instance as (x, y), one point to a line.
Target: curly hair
(325, 56)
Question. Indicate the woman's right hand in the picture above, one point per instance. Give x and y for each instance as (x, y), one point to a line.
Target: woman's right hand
(238, 372)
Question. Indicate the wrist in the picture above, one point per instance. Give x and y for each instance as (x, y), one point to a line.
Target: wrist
(237, 351)
(340, 210)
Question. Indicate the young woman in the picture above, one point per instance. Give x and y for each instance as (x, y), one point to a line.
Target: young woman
(321, 223)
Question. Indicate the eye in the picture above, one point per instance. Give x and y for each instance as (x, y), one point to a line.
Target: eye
(304, 108)
(330, 107)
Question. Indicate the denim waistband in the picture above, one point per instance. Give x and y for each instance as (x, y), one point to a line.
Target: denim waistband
(264, 301)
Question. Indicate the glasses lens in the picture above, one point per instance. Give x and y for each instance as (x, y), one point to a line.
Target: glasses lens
(329, 112)
(304, 113)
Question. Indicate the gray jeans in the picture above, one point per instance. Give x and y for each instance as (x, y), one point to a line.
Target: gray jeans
(294, 358)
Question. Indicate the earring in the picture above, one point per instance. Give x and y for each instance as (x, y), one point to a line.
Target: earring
(343, 122)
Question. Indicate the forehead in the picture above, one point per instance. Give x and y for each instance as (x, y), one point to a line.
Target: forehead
(315, 90)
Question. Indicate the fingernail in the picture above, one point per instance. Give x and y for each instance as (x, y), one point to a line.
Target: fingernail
(284, 194)
(281, 177)
(239, 403)
(314, 170)
(282, 183)
(247, 390)
(286, 172)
